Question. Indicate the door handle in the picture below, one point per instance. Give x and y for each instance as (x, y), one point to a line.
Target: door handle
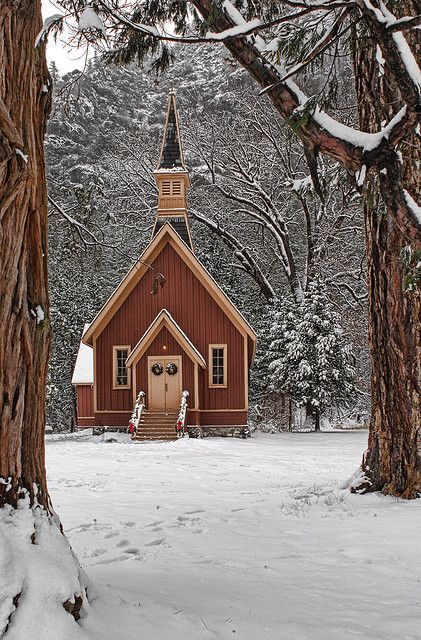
(166, 386)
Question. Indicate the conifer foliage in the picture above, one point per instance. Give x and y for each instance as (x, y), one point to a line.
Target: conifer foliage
(312, 362)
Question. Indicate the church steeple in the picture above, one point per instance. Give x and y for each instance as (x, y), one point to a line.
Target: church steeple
(171, 156)
(172, 178)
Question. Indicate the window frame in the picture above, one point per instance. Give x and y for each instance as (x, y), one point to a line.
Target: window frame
(224, 347)
(116, 348)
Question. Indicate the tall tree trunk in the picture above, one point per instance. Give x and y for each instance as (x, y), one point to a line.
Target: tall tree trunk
(24, 322)
(24, 306)
(393, 460)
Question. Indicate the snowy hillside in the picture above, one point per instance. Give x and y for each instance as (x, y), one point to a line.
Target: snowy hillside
(222, 538)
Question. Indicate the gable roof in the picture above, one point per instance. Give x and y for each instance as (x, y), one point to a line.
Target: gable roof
(165, 235)
(165, 319)
(83, 373)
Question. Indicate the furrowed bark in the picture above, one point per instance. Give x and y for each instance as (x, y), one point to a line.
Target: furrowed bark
(393, 460)
(25, 98)
(24, 307)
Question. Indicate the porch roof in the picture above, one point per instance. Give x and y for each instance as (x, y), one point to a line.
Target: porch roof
(165, 319)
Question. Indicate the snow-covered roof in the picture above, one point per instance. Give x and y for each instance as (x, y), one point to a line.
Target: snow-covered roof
(83, 372)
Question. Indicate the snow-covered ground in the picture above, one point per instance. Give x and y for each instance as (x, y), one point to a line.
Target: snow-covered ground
(245, 539)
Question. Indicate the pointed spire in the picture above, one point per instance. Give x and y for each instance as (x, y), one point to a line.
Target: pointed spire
(171, 150)
(172, 179)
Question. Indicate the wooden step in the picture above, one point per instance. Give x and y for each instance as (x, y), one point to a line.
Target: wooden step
(157, 420)
(138, 438)
(160, 419)
(156, 433)
(157, 424)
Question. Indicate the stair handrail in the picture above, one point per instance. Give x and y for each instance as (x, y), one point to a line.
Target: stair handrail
(181, 420)
(139, 408)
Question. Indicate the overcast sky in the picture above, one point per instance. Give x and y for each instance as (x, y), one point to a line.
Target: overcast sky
(65, 58)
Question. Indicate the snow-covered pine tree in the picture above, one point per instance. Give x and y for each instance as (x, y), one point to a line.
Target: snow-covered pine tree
(312, 362)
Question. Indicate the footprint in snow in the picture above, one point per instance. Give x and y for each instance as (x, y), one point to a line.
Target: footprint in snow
(196, 511)
(98, 552)
(154, 524)
(111, 560)
(155, 543)
(183, 519)
(129, 524)
(123, 543)
(112, 534)
(133, 551)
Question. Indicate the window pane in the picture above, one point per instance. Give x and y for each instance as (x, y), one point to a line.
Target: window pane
(217, 365)
(121, 369)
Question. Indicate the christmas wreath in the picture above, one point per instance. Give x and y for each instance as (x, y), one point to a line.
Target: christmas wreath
(171, 369)
(157, 368)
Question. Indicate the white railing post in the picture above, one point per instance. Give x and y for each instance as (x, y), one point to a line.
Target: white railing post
(139, 407)
(181, 420)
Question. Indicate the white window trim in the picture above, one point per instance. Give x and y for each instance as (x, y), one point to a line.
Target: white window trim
(211, 384)
(116, 348)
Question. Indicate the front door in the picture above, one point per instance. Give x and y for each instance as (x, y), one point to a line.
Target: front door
(164, 382)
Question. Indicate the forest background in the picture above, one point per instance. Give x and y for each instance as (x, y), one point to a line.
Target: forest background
(257, 224)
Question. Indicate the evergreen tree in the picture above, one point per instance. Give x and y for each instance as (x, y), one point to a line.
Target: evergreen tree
(312, 362)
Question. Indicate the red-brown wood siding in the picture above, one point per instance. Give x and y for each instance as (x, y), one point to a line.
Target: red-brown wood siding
(198, 315)
(85, 400)
(83, 423)
(222, 418)
(113, 419)
(193, 417)
(164, 337)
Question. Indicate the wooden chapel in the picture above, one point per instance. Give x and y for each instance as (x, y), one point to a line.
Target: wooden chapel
(186, 336)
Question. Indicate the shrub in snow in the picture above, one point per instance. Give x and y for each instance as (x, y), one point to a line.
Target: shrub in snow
(310, 360)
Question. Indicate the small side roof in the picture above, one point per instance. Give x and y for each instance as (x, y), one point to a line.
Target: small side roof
(83, 372)
(165, 319)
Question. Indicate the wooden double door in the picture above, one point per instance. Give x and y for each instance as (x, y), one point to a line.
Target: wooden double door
(165, 382)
